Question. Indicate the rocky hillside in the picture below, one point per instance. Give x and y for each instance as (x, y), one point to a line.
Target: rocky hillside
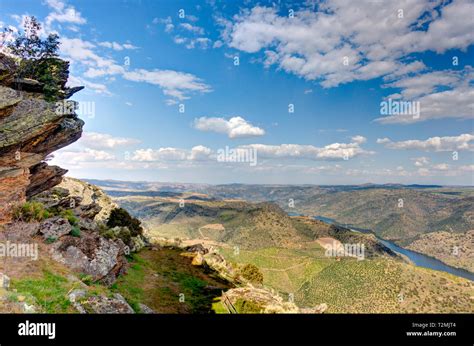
(31, 128)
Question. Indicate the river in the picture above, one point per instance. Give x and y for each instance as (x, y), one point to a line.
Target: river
(416, 258)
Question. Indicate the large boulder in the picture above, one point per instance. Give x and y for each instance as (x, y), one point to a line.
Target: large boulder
(103, 259)
(54, 228)
(107, 305)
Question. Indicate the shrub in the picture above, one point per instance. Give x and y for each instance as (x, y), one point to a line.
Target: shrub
(69, 215)
(87, 279)
(251, 273)
(120, 217)
(51, 240)
(76, 232)
(30, 211)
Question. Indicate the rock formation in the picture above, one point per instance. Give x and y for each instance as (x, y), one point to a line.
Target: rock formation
(31, 128)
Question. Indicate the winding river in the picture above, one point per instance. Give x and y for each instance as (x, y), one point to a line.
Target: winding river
(416, 258)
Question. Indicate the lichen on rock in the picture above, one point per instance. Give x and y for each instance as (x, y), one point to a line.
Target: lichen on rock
(31, 128)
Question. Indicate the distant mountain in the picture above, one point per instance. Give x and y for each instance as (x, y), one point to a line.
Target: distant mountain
(236, 222)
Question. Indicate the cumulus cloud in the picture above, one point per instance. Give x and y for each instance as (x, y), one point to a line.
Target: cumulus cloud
(176, 84)
(420, 161)
(359, 139)
(63, 13)
(192, 28)
(235, 127)
(354, 40)
(117, 46)
(169, 26)
(435, 144)
(441, 94)
(335, 151)
(197, 153)
(105, 141)
(86, 155)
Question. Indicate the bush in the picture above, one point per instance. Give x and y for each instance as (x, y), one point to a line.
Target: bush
(251, 273)
(30, 211)
(69, 215)
(51, 240)
(87, 279)
(76, 232)
(120, 217)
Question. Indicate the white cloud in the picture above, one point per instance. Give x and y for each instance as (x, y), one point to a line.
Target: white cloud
(169, 26)
(436, 144)
(368, 35)
(217, 44)
(200, 42)
(99, 141)
(192, 28)
(63, 13)
(82, 52)
(117, 46)
(335, 151)
(359, 139)
(191, 43)
(197, 153)
(441, 167)
(467, 168)
(441, 94)
(87, 155)
(175, 84)
(421, 161)
(235, 127)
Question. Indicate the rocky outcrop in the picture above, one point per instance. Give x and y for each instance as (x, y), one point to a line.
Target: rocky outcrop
(102, 259)
(89, 194)
(99, 304)
(54, 228)
(30, 129)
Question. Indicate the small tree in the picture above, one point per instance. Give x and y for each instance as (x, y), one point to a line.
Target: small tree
(37, 57)
(28, 45)
(120, 217)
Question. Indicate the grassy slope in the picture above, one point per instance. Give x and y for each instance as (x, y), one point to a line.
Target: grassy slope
(157, 278)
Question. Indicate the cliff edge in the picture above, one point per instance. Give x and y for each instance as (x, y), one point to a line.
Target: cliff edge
(31, 128)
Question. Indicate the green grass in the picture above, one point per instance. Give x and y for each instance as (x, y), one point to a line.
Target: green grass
(69, 215)
(49, 292)
(218, 307)
(157, 278)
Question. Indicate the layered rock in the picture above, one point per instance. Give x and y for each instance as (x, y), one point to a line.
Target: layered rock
(30, 129)
(88, 194)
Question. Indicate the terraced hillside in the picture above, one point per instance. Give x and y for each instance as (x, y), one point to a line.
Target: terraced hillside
(378, 285)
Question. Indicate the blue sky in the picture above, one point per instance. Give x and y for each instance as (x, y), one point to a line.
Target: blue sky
(333, 62)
